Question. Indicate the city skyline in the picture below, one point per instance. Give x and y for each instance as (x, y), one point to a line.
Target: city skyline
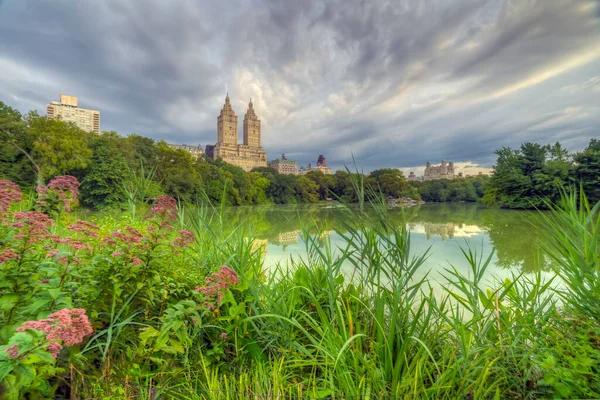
(395, 85)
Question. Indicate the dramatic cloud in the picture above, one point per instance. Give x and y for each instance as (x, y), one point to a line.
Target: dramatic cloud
(392, 83)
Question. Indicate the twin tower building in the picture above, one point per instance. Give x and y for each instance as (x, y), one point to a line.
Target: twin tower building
(248, 155)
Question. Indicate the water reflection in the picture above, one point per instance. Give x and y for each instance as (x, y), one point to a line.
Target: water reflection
(514, 235)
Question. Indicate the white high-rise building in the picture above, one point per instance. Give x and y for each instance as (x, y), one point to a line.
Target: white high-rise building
(67, 110)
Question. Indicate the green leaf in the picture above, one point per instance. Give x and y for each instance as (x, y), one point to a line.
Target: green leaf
(148, 332)
(228, 298)
(5, 368)
(177, 346)
(25, 375)
(8, 301)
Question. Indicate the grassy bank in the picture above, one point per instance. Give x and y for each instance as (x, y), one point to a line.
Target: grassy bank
(167, 320)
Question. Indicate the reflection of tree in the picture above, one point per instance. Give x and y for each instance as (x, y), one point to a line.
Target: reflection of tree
(518, 240)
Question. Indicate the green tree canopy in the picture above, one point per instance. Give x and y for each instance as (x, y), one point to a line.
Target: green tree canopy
(58, 147)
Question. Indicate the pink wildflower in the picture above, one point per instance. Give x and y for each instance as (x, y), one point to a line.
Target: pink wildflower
(9, 193)
(165, 206)
(84, 227)
(77, 245)
(54, 349)
(184, 239)
(136, 261)
(219, 282)
(134, 232)
(43, 280)
(115, 254)
(33, 225)
(224, 336)
(126, 238)
(7, 255)
(67, 188)
(13, 351)
(66, 326)
(52, 253)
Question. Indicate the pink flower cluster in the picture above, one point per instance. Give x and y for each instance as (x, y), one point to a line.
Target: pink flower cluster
(67, 188)
(7, 255)
(134, 237)
(32, 224)
(66, 326)
(218, 282)
(85, 227)
(184, 239)
(12, 351)
(9, 193)
(166, 207)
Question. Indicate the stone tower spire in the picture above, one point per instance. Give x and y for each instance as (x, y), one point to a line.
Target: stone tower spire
(227, 123)
(251, 127)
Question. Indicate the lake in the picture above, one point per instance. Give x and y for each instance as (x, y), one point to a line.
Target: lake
(441, 227)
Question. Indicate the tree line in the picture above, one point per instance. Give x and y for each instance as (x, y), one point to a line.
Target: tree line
(111, 167)
(535, 174)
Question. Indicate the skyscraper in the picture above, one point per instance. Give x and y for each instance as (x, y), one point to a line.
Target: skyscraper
(67, 110)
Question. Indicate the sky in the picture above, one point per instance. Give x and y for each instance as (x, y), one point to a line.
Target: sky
(388, 84)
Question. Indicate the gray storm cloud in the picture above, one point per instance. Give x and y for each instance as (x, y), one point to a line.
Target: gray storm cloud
(394, 83)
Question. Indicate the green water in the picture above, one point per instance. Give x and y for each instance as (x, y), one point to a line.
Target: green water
(442, 228)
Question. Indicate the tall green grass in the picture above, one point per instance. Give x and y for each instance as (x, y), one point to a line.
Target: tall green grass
(311, 328)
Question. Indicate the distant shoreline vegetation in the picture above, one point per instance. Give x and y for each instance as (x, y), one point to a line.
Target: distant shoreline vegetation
(113, 169)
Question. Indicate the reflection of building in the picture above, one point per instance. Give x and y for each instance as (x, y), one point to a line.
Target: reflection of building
(284, 166)
(195, 151)
(444, 171)
(248, 155)
(321, 166)
(261, 245)
(67, 110)
(285, 238)
(443, 230)
(324, 234)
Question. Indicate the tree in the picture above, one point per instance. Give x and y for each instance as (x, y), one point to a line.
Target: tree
(325, 182)
(528, 177)
(307, 191)
(176, 172)
(104, 176)
(14, 163)
(58, 146)
(587, 170)
(390, 181)
(140, 150)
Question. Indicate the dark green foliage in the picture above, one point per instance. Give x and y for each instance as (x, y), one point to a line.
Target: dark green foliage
(528, 177)
(14, 164)
(465, 189)
(587, 170)
(58, 147)
(175, 170)
(390, 181)
(102, 186)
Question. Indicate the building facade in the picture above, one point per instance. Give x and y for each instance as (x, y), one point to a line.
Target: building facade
(248, 155)
(443, 171)
(412, 177)
(284, 166)
(321, 166)
(67, 109)
(195, 151)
